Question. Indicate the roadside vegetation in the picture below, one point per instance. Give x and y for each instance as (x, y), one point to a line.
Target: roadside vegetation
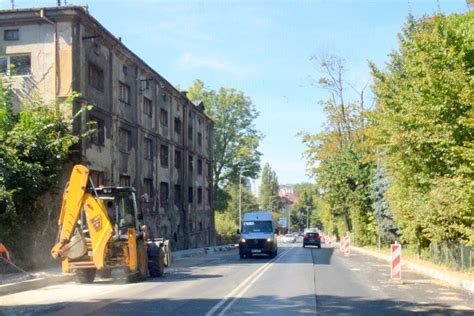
(35, 143)
(401, 169)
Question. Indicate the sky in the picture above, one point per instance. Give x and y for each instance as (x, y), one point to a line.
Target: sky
(264, 49)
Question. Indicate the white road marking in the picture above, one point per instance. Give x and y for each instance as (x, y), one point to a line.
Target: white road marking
(252, 278)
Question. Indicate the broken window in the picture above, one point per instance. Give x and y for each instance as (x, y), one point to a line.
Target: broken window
(124, 140)
(177, 125)
(199, 193)
(190, 165)
(190, 195)
(164, 194)
(96, 77)
(98, 128)
(124, 93)
(177, 195)
(163, 117)
(148, 148)
(147, 106)
(15, 65)
(199, 140)
(190, 132)
(177, 159)
(164, 156)
(124, 181)
(148, 188)
(97, 177)
(199, 167)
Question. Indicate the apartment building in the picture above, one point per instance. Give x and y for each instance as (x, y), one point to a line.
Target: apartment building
(147, 134)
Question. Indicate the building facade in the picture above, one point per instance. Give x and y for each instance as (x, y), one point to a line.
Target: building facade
(146, 134)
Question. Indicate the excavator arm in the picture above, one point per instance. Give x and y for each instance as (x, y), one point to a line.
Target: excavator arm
(75, 200)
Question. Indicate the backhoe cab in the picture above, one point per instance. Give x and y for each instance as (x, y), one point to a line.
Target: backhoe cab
(100, 229)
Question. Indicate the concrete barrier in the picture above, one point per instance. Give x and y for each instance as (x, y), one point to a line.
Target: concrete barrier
(27, 285)
(180, 254)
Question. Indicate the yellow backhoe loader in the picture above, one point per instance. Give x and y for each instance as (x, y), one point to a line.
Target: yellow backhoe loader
(100, 229)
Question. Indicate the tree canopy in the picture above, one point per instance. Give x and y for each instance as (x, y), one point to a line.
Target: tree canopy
(236, 138)
(423, 125)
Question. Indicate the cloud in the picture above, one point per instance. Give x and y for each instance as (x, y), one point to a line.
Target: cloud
(214, 63)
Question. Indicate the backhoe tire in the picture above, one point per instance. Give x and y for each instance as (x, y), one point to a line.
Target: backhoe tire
(142, 264)
(104, 273)
(85, 275)
(156, 263)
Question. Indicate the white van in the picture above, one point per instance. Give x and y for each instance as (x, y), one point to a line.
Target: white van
(257, 235)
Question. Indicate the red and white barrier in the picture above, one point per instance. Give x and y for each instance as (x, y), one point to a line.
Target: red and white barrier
(346, 245)
(396, 266)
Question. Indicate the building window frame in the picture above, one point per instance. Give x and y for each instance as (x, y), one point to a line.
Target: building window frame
(164, 194)
(125, 137)
(164, 156)
(163, 117)
(95, 76)
(11, 35)
(148, 106)
(124, 93)
(177, 125)
(148, 148)
(97, 136)
(8, 65)
(178, 159)
(199, 195)
(199, 171)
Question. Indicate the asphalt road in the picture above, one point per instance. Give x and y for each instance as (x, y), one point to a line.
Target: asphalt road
(298, 281)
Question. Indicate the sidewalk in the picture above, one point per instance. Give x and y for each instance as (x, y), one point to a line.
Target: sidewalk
(18, 282)
(432, 270)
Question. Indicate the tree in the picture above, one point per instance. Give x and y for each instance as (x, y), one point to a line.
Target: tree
(268, 195)
(34, 146)
(387, 228)
(302, 211)
(339, 158)
(236, 139)
(423, 125)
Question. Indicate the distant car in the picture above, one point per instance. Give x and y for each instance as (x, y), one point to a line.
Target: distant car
(312, 239)
(289, 238)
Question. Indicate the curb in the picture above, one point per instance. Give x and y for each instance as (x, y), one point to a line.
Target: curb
(435, 274)
(33, 284)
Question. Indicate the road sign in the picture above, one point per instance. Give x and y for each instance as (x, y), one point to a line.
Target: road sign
(282, 221)
(396, 266)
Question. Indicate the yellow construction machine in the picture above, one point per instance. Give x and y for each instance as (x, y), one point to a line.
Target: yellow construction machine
(101, 229)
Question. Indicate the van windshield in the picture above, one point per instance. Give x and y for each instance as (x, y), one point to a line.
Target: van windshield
(257, 227)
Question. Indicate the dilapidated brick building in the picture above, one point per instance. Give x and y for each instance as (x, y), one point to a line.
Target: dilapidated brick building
(147, 133)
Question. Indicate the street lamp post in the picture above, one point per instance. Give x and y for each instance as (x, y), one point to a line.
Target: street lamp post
(307, 217)
(240, 200)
